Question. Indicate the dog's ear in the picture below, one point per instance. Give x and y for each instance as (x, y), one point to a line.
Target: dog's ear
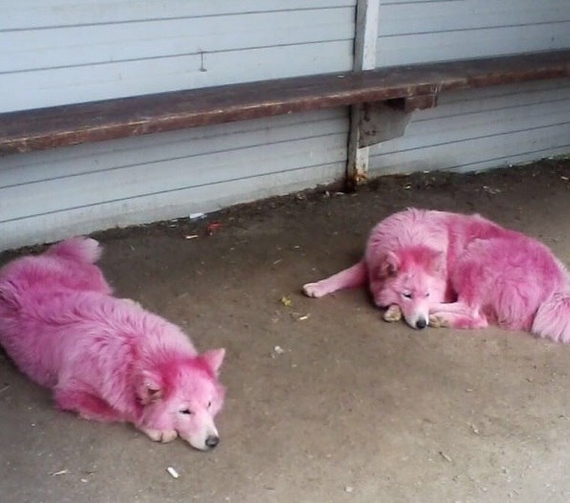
(389, 266)
(214, 359)
(149, 387)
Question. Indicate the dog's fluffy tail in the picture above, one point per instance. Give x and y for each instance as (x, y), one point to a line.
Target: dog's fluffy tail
(80, 249)
(552, 320)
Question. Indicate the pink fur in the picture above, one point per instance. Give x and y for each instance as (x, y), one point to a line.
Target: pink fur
(105, 358)
(461, 271)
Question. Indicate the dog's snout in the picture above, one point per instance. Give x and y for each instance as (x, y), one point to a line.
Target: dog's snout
(421, 323)
(212, 441)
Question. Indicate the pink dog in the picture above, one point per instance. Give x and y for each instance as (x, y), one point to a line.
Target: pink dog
(461, 271)
(105, 358)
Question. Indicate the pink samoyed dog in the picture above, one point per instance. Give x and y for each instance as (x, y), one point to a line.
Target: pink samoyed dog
(105, 358)
(462, 271)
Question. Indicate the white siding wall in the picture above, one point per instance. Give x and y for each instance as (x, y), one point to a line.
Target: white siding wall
(482, 128)
(64, 51)
(45, 196)
(417, 31)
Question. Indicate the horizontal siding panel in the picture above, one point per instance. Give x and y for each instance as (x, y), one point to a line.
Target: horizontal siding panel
(543, 89)
(412, 18)
(417, 32)
(59, 86)
(442, 46)
(298, 147)
(449, 129)
(98, 44)
(477, 153)
(149, 208)
(469, 130)
(54, 13)
(498, 102)
(73, 52)
(546, 148)
(102, 156)
(168, 175)
(426, 134)
(404, 2)
(481, 111)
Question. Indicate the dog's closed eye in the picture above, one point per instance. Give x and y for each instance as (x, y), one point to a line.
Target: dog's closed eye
(186, 412)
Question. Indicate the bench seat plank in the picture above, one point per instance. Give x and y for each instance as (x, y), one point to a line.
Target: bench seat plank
(52, 127)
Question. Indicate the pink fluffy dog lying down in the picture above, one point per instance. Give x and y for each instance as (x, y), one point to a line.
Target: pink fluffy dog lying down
(105, 358)
(461, 271)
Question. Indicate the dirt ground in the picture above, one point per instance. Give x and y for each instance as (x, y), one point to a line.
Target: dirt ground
(326, 402)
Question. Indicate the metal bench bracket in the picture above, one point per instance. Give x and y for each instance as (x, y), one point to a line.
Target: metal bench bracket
(385, 120)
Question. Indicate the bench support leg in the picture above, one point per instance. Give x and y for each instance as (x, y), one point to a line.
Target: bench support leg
(358, 154)
(366, 34)
(373, 123)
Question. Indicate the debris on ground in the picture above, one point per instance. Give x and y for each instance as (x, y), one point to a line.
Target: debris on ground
(286, 301)
(300, 316)
(491, 190)
(213, 227)
(445, 456)
(173, 473)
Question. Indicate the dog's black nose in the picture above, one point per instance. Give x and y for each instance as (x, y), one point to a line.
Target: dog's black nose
(421, 323)
(212, 441)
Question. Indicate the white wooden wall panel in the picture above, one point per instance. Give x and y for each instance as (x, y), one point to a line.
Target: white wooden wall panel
(423, 47)
(28, 14)
(55, 52)
(434, 30)
(479, 154)
(88, 187)
(100, 44)
(91, 82)
(482, 129)
(404, 18)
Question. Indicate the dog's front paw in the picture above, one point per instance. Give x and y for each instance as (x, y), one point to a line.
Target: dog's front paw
(131, 302)
(438, 321)
(393, 313)
(163, 436)
(313, 290)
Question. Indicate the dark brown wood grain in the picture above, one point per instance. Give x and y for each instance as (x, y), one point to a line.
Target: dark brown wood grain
(52, 127)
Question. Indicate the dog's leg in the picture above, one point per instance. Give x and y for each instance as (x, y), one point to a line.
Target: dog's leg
(393, 313)
(456, 315)
(352, 277)
(87, 405)
(163, 436)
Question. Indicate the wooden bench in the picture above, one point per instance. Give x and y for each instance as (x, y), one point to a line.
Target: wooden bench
(402, 89)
